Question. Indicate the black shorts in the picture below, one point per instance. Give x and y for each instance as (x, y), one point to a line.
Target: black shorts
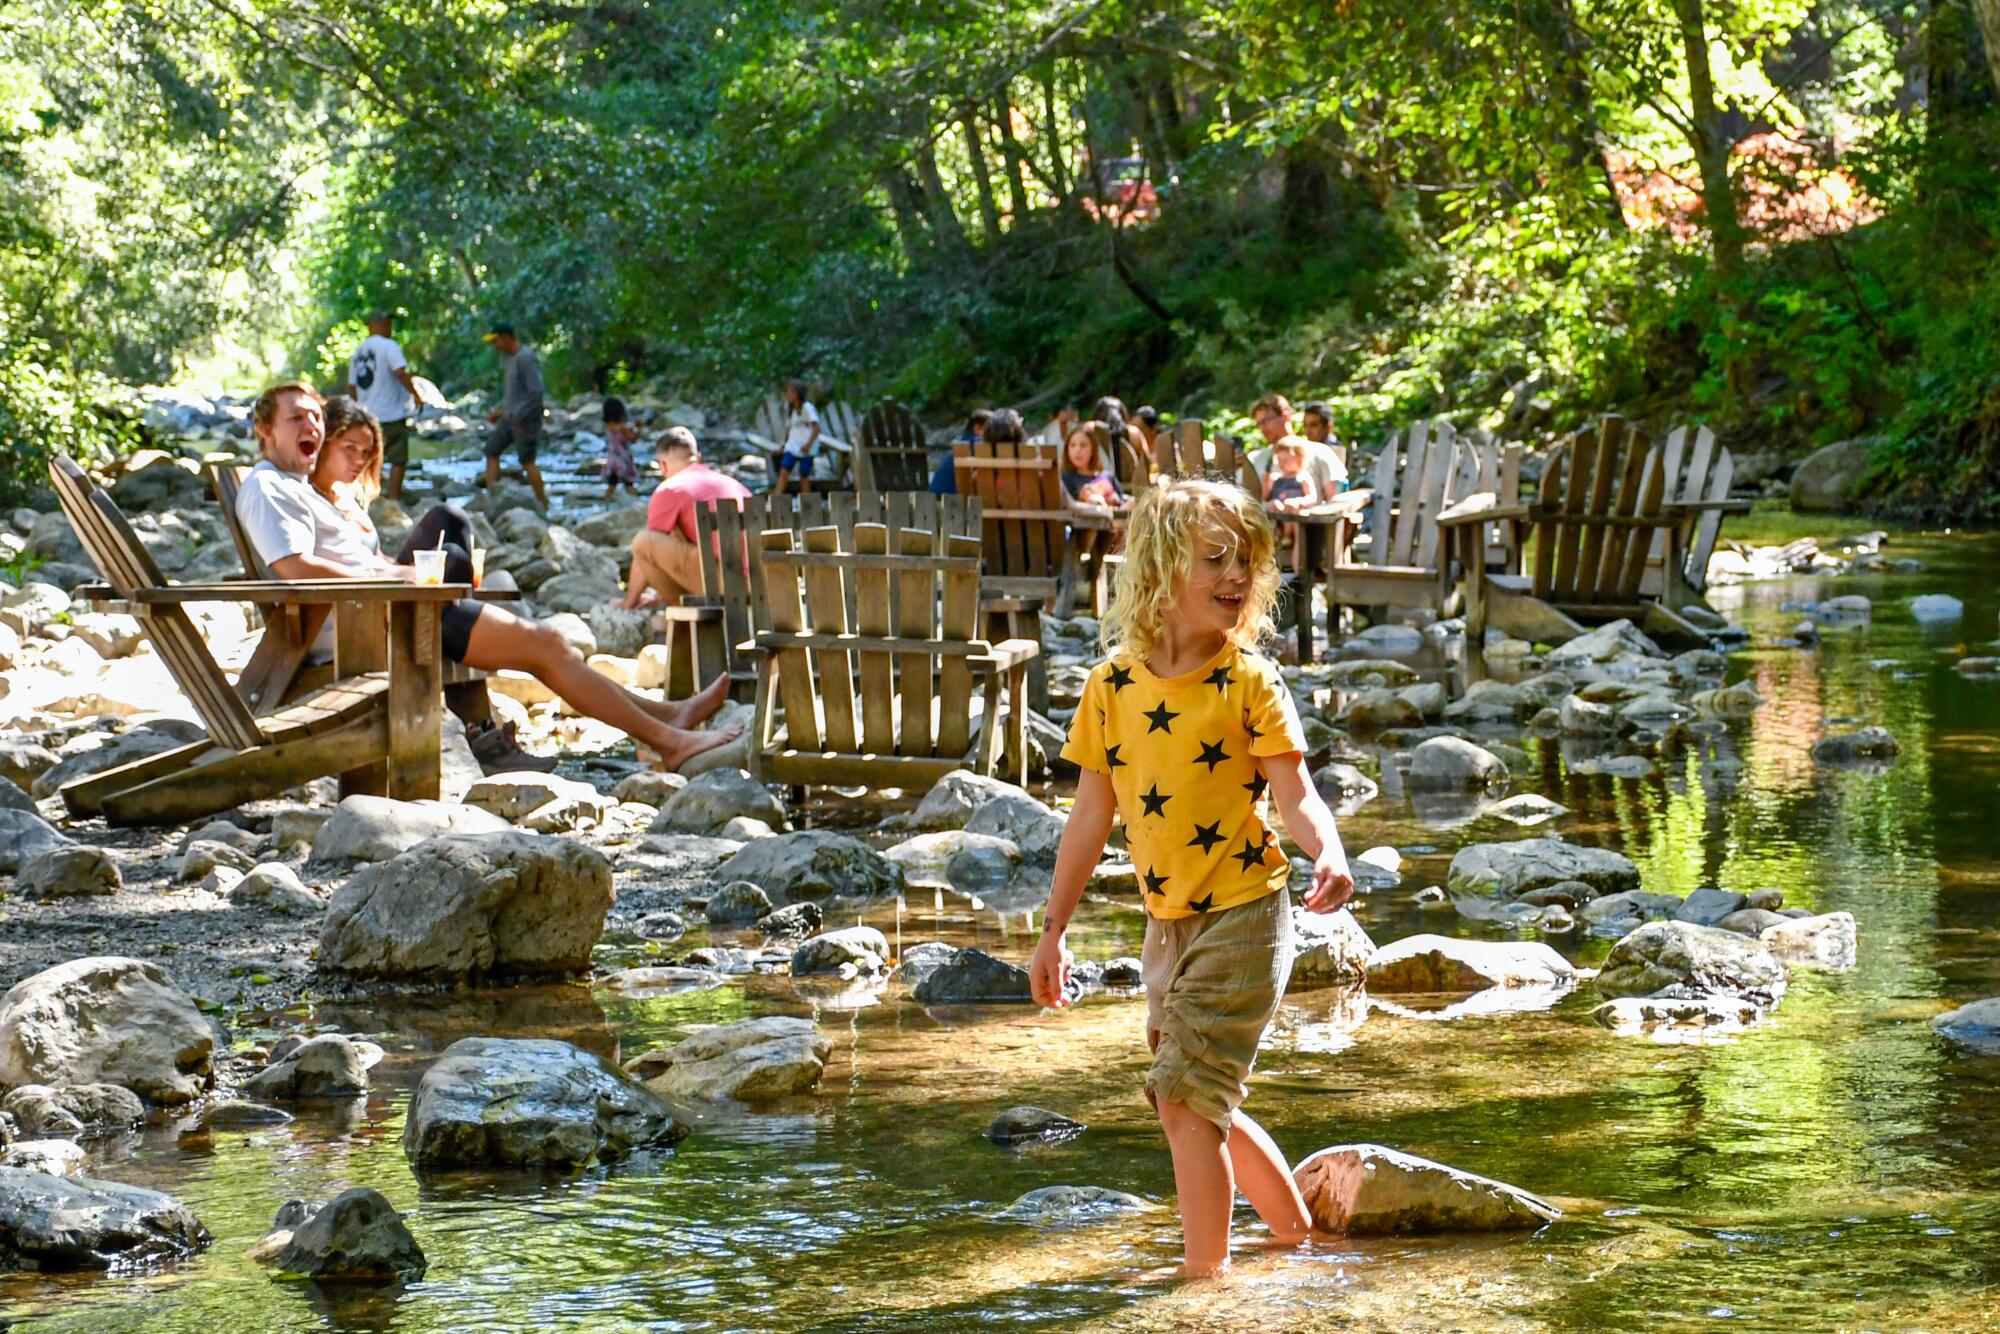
(396, 443)
(457, 627)
(524, 436)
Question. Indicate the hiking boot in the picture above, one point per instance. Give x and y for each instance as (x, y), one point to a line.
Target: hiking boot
(499, 752)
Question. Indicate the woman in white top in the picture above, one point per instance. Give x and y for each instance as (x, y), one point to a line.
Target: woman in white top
(801, 434)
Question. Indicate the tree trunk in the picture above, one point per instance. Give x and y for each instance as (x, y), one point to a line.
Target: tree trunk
(1710, 143)
(1586, 139)
(1011, 154)
(937, 200)
(989, 210)
(1052, 130)
(904, 198)
(1988, 14)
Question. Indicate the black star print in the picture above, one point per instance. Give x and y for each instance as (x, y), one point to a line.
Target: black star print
(1252, 855)
(1111, 760)
(1160, 718)
(1155, 801)
(1118, 678)
(1202, 904)
(1255, 787)
(1155, 884)
(1211, 755)
(1206, 836)
(1251, 728)
(1219, 678)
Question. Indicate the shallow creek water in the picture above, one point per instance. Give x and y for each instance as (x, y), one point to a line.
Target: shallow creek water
(1837, 1167)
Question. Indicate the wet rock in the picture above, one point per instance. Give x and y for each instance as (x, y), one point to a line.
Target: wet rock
(1750, 921)
(662, 926)
(1708, 906)
(1370, 674)
(1605, 645)
(356, 1237)
(645, 983)
(972, 976)
(1368, 1190)
(1870, 745)
(1344, 788)
(1737, 701)
(1825, 941)
(1021, 820)
(1431, 964)
(1934, 608)
(712, 799)
(736, 902)
(1124, 971)
(1975, 1025)
(1848, 604)
(24, 836)
(275, 887)
(56, 1157)
(1681, 959)
(72, 1109)
(1426, 697)
(1032, 1125)
(814, 864)
(235, 1114)
(471, 904)
(1375, 710)
(1614, 766)
(106, 1020)
(514, 796)
(971, 863)
(56, 1224)
(796, 921)
(860, 948)
(1770, 900)
(1696, 665)
(1376, 868)
(330, 1065)
(1680, 1019)
(69, 873)
(953, 798)
(1577, 716)
(375, 829)
(1489, 701)
(1073, 1206)
(750, 1061)
(919, 961)
(529, 1102)
(1452, 764)
(1330, 950)
(1622, 912)
(1825, 480)
(1510, 869)
(649, 787)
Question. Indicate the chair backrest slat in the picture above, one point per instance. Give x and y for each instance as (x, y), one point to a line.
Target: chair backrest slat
(959, 623)
(228, 479)
(826, 613)
(893, 452)
(876, 670)
(916, 618)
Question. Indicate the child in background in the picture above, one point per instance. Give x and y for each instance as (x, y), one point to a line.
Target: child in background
(1084, 475)
(801, 435)
(619, 467)
(1289, 488)
(1182, 732)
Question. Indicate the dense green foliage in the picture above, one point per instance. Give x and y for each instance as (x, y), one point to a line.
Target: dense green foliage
(1779, 215)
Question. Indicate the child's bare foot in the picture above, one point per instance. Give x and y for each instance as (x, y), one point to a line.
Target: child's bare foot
(1175, 1274)
(683, 745)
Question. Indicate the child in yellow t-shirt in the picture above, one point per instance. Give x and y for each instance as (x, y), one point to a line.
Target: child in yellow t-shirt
(1183, 732)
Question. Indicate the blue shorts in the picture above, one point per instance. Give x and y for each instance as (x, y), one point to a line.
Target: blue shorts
(798, 463)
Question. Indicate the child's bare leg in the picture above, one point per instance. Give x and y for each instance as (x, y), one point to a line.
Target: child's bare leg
(1266, 1180)
(1205, 1184)
(782, 476)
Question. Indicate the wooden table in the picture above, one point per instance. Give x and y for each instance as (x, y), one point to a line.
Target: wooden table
(1319, 525)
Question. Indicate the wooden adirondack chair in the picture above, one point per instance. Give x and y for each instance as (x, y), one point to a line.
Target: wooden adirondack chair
(892, 453)
(1601, 506)
(1698, 478)
(1402, 562)
(1185, 449)
(703, 632)
(881, 697)
(376, 725)
(772, 423)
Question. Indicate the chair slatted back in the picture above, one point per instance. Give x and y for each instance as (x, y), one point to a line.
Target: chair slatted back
(1696, 470)
(129, 568)
(1024, 521)
(840, 421)
(1617, 479)
(899, 682)
(772, 420)
(892, 450)
(228, 479)
(1414, 481)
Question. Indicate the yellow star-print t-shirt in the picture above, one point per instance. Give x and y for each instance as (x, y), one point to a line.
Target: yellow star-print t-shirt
(1182, 755)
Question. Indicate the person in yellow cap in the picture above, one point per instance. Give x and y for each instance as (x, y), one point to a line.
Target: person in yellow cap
(518, 419)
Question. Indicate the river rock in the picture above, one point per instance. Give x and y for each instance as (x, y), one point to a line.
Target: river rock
(1825, 941)
(1368, 1190)
(1452, 764)
(1064, 1207)
(57, 1157)
(25, 610)
(1021, 820)
(1708, 906)
(1489, 701)
(327, 1066)
(649, 787)
(106, 1020)
(1344, 788)
(620, 632)
(953, 798)
(737, 902)
(973, 976)
(1378, 710)
(22, 761)
(1579, 717)
(1510, 869)
(712, 799)
(1527, 808)
(56, 1224)
(814, 864)
(1751, 921)
(796, 921)
(205, 855)
(72, 1109)
(1976, 1025)
(750, 1061)
(471, 904)
(375, 829)
(1681, 959)
(1678, 1019)
(861, 948)
(236, 1114)
(24, 836)
(973, 863)
(1621, 913)
(1825, 480)
(1737, 701)
(275, 887)
(356, 1237)
(1870, 745)
(1431, 964)
(513, 797)
(1617, 642)
(1936, 608)
(1032, 1125)
(919, 961)
(69, 873)
(1330, 950)
(529, 1102)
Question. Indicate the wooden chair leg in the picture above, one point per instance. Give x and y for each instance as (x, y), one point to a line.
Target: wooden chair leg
(223, 779)
(987, 758)
(1017, 720)
(85, 796)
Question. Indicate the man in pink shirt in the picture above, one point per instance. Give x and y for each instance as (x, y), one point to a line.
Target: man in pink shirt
(665, 562)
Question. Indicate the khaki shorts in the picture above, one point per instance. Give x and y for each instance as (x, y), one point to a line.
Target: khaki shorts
(396, 443)
(1213, 981)
(673, 553)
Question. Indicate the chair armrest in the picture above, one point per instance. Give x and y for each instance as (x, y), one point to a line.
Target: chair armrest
(698, 615)
(280, 591)
(1007, 653)
(1470, 511)
(1710, 506)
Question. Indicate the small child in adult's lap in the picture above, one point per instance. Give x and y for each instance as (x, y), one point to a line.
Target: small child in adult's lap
(1183, 732)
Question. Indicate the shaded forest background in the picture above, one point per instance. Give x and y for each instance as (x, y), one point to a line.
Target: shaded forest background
(1778, 216)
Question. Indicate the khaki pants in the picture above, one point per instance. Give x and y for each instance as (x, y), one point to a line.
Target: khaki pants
(673, 556)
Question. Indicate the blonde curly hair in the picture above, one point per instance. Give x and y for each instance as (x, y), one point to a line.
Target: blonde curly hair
(1160, 543)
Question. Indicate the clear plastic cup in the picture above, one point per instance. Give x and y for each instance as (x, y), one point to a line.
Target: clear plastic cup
(430, 566)
(478, 566)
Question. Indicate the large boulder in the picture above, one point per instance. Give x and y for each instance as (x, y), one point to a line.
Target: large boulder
(53, 1224)
(1825, 480)
(529, 1102)
(814, 864)
(1368, 1190)
(26, 836)
(356, 1237)
(73, 1109)
(1023, 821)
(1431, 964)
(712, 799)
(374, 829)
(330, 1065)
(1681, 959)
(471, 904)
(750, 1061)
(1330, 950)
(106, 1020)
(1975, 1025)
(973, 976)
(1453, 764)
(1508, 870)
(862, 949)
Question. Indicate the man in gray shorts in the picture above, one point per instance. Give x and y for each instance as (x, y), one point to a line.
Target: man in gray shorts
(518, 419)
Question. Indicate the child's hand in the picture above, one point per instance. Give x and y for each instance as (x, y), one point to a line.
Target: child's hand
(1332, 884)
(1048, 971)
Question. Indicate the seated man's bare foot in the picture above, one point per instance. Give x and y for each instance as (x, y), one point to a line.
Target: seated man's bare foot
(697, 708)
(684, 745)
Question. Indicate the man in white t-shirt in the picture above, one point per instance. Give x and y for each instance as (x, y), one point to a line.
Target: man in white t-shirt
(378, 377)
